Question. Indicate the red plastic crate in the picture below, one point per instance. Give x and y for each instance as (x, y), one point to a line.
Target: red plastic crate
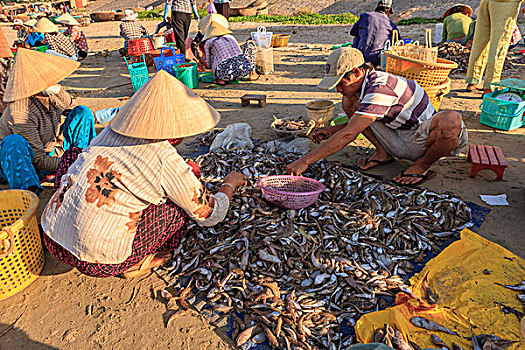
(140, 46)
(170, 38)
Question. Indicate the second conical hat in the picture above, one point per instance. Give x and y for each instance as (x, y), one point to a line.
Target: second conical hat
(44, 25)
(163, 109)
(34, 71)
(67, 19)
(216, 29)
(206, 21)
(5, 50)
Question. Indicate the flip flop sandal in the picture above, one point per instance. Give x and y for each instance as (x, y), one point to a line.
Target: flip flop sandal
(422, 178)
(217, 83)
(151, 261)
(368, 160)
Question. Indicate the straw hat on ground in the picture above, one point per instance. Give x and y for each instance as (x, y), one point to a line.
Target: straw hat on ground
(206, 21)
(5, 50)
(44, 25)
(465, 9)
(215, 30)
(31, 23)
(34, 71)
(162, 109)
(67, 19)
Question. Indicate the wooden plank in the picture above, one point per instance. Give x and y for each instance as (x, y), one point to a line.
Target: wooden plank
(501, 158)
(482, 155)
(474, 156)
(492, 157)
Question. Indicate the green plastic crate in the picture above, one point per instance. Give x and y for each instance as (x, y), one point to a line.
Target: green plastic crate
(138, 73)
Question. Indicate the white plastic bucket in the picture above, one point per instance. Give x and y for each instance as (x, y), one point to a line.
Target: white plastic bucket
(439, 33)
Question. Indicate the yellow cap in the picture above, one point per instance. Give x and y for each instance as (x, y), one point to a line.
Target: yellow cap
(340, 62)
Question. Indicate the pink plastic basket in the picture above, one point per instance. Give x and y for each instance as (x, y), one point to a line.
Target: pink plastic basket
(292, 192)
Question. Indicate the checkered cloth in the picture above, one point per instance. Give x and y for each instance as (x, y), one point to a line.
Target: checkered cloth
(61, 44)
(130, 30)
(77, 37)
(159, 229)
(184, 6)
(516, 36)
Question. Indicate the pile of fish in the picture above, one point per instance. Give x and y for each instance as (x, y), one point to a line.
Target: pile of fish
(460, 54)
(392, 337)
(300, 277)
(293, 124)
(457, 53)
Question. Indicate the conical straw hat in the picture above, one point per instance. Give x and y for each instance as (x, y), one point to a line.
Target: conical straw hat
(465, 9)
(163, 109)
(34, 72)
(67, 19)
(206, 21)
(5, 50)
(216, 29)
(31, 23)
(44, 25)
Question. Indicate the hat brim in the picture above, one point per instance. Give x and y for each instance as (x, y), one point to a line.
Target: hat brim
(69, 23)
(328, 83)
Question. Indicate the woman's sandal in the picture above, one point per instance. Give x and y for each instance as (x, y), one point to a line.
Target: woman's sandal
(216, 82)
(146, 265)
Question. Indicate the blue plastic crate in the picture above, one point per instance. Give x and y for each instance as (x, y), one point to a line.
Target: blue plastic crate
(138, 73)
(167, 62)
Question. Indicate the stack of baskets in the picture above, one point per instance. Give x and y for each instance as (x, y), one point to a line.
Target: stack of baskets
(432, 76)
(139, 47)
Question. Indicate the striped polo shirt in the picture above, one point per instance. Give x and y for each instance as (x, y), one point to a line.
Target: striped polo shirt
(398, 102)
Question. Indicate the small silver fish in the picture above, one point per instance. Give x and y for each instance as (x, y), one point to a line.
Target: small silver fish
(437, 340)
(517, 287)
(430, 325)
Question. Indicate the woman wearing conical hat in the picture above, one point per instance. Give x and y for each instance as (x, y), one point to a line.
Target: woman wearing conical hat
(6, 58)
(130, 29)
(75, 34)
(124, 204)
(224, 56)
(33, 132)
(195, 48)
(34, 38)
(58, 43)
(21, 32)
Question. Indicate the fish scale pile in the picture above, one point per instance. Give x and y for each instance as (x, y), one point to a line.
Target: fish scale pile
(297, 276)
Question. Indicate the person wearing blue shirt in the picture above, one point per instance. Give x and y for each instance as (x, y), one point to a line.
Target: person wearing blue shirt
(372, 30)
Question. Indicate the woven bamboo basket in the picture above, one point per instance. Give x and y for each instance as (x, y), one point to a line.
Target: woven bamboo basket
(437, 93)
(424, 73)
(280, 40)
(104, 16)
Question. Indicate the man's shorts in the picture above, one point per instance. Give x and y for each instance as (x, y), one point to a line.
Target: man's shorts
(411, 144)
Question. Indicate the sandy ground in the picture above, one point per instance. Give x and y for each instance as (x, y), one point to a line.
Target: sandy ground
(65, 310)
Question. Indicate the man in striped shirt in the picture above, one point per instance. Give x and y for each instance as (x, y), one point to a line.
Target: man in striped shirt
(394, 114)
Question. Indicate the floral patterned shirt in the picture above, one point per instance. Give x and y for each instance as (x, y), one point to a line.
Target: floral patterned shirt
(94, 213)
(77, 37)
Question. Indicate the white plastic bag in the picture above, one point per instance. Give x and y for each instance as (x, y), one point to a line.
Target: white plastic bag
(262, 38)
(234, 136)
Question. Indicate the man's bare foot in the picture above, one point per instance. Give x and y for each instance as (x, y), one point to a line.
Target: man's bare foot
(414, 175)
(474, 87)
(376, 160)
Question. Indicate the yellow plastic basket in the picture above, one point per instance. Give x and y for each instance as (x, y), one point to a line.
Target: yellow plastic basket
(424, 73)
(437, 93)
(21, 252)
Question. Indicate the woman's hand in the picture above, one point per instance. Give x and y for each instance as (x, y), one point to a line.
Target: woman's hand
(235, 178)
